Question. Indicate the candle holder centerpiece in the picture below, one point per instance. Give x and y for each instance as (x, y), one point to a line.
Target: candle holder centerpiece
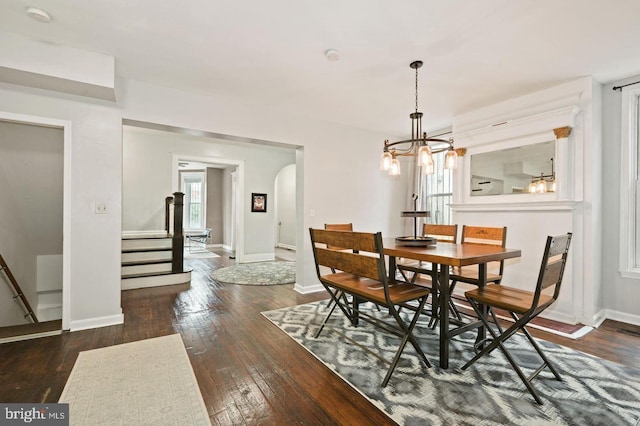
(415, 240)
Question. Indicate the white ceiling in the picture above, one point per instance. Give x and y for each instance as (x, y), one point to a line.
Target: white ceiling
(271, 52)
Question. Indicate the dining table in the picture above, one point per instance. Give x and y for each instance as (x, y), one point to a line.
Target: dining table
(443, 256)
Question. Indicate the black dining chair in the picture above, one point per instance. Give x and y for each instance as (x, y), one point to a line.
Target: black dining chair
(522, 306)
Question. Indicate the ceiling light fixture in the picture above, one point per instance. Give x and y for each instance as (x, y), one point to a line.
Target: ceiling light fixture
(419, 145)
(332, 54)
(38, 14)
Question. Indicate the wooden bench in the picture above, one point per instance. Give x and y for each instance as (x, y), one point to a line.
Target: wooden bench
(359, 270)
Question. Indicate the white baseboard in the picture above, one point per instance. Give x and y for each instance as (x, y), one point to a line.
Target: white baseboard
(97, 322)
(622, 317)
(308, 289)
(286, 246)
(258, 257)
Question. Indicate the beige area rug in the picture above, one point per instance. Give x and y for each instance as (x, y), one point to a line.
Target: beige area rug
(149, 382)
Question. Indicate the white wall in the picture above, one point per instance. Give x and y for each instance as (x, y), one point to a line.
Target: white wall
(575, 207)
(621, 296)
(147, 161)
(17, 252)
(285, 204)
(358, 192)
(31, 169)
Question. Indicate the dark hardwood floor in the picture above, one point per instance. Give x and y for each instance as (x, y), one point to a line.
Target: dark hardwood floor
(249, 372)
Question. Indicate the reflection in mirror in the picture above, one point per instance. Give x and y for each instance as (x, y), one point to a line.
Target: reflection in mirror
(511, 171)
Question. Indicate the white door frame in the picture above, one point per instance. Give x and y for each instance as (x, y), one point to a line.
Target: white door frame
(238, 219)
(66, 203)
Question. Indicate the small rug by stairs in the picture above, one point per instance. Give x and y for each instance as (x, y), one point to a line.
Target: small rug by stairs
(149, 382)
(593, 391)
(258, 273)
(200, 254)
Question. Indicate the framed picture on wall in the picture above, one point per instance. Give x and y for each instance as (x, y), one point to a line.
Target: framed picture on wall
(258, 202)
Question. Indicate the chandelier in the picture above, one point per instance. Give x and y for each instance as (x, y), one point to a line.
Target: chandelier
(543, 183)
(419, 145)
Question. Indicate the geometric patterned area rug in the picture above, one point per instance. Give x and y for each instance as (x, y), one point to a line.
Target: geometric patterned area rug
(258, 273)
(593, 391)
(148, 382)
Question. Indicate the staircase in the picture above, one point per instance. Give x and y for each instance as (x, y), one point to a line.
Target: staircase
(152, 260)
(147, 260)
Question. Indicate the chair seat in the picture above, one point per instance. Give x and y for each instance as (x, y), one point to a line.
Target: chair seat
(399, 291)
(508, 298)
(469, 274)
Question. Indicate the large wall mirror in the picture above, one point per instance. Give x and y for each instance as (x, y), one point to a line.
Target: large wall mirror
(511, 171)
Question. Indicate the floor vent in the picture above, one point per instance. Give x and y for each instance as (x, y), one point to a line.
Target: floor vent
(630, 332)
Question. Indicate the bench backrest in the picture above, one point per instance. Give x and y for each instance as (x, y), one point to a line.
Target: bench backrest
(362, 253)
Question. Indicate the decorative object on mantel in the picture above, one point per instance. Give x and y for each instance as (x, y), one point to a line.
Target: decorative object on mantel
(544, 183)
(415, 240)
(419, 145)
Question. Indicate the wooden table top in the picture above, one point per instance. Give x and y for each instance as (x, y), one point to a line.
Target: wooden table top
(449, 253)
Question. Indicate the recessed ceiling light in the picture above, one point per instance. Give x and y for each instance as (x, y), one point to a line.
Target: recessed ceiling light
(38, 14)
(332, 54)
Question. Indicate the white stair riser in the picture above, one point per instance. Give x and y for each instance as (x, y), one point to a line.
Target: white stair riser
(146, 243)
(157, 281)
(143, 269)
(150, 255)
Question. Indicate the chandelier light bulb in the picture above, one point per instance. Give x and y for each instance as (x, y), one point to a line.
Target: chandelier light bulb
(394, 170)
(385, 161)
(425, 155)
(451, 159)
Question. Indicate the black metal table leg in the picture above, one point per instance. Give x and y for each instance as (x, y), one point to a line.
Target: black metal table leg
(443, 299)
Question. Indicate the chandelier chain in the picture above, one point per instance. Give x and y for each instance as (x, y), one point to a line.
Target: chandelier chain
(416, 89)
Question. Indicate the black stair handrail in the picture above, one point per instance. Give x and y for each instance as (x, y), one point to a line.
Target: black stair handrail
(18, 290)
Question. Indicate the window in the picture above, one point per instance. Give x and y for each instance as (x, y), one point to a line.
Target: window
(193, 187)
(630, 186)
(437, 189)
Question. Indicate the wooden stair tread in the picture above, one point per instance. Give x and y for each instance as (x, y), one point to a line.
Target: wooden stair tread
(145, 250)
(145, 262)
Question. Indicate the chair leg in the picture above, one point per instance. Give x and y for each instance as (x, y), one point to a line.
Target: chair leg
(408, 337)
(344, 307)
(497, 342)
(535, 345)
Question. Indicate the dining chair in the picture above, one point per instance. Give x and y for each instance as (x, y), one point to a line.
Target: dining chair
(362, 273)
(522, 306)
(422, 274)
(442, 233)
(470, 274)
(337, 227)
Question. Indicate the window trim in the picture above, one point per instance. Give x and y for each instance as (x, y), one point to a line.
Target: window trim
(203, 213)
(629, 183)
